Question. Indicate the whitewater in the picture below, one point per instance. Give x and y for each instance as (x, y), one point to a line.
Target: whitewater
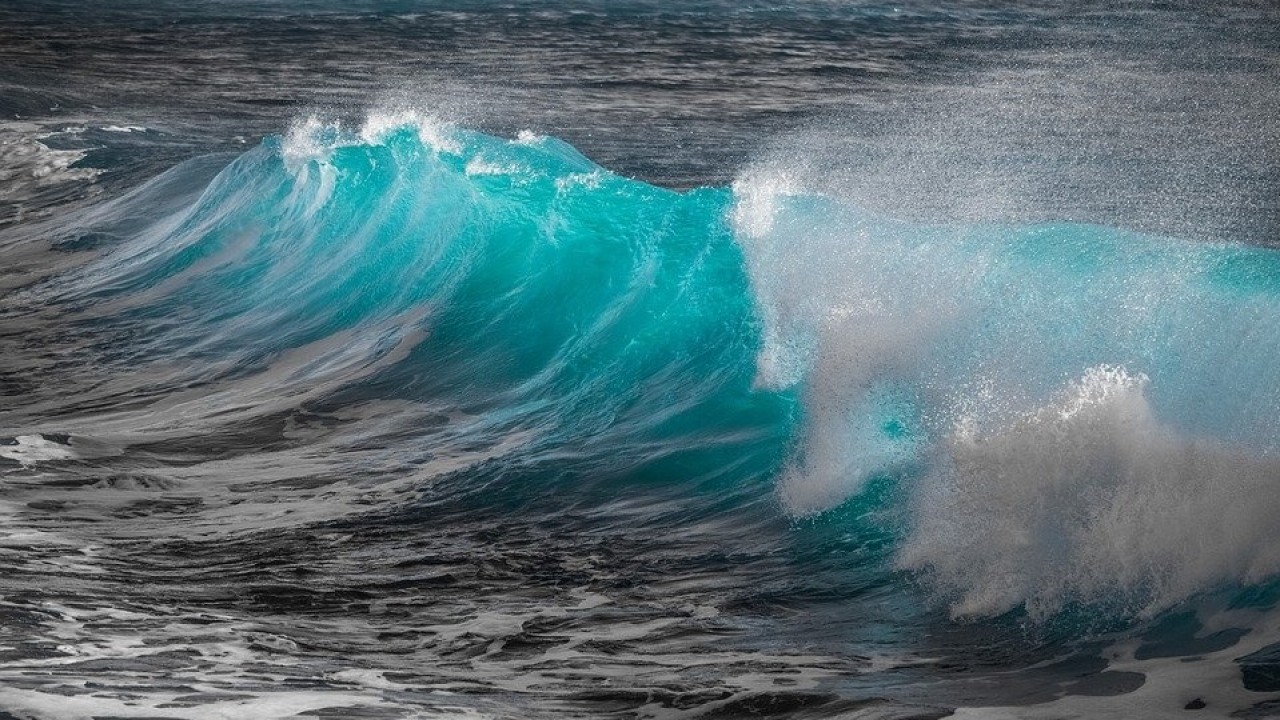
(388, 404)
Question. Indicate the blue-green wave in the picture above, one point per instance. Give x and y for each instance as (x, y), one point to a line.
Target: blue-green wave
(1054, 406)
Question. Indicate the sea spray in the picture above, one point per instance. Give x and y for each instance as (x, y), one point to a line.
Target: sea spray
(938, 355)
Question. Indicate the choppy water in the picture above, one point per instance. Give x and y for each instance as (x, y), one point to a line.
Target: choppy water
(639, 360)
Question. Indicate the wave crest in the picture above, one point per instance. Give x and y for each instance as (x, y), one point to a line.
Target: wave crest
(934, 356)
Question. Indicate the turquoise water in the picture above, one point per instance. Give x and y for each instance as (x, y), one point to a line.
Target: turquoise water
(520, 282)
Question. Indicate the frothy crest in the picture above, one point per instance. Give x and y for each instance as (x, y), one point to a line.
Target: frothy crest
(758, 195)
(313, 138)
(310, 138)
(433, 131)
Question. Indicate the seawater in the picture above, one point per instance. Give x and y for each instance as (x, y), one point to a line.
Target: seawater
(362, 411)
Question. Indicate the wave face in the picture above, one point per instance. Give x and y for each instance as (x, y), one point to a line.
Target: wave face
(411, 325)
(501, 294)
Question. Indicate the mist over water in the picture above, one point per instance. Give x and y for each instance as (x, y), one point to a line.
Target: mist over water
(638, 360)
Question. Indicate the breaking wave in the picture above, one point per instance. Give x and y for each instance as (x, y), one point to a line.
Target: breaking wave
(1059, 408)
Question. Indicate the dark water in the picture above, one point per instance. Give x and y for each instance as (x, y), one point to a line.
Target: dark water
(650, 360)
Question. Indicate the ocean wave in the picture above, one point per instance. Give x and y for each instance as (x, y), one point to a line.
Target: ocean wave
(1055, 404)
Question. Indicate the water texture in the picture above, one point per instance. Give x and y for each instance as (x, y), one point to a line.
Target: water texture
(694, 361)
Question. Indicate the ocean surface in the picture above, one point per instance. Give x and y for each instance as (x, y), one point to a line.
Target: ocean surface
(637, 359)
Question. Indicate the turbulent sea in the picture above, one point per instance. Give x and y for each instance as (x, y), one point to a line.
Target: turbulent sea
(639, 359)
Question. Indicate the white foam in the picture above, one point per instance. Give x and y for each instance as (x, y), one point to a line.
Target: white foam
(849, 308)
(27, 165)
(33, 449)
(529, 137)
(314, 138)
(433, 131)
(757, 195)
(1090, 498)
(310, 138)
(590, 180)
(478, 166)
(783, 356)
